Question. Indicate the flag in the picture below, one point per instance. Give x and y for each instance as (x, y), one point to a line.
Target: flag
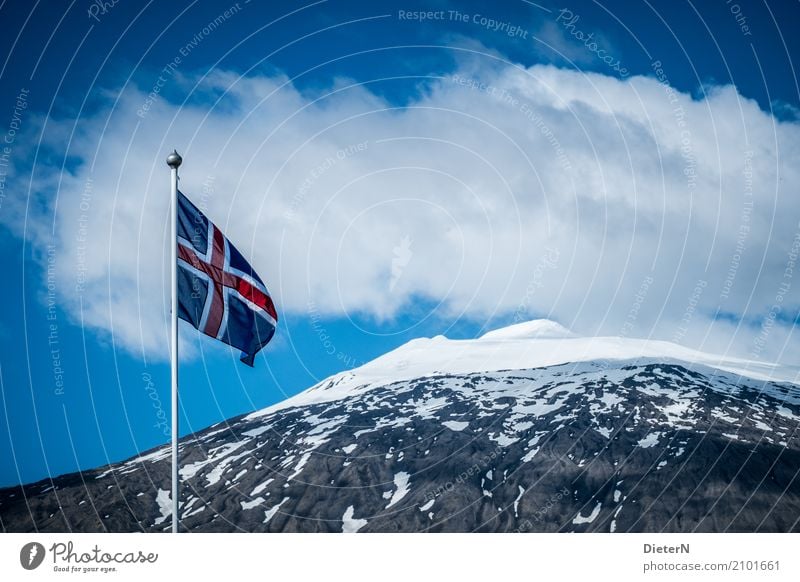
(218, 291)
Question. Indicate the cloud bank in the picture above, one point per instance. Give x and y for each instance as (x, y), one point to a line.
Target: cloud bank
(619, 207)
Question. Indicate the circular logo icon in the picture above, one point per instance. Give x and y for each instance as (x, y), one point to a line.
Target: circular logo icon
(31, 555)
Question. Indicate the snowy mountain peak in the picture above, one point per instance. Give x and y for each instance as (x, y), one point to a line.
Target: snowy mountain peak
(533, 344)
(537, 328)
(368, 450)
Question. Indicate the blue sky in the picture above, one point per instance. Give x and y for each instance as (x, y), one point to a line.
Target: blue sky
(92, 397)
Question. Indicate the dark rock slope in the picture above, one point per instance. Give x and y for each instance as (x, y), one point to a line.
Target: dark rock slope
(591, 447)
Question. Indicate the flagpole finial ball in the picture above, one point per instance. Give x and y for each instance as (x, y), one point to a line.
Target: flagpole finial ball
(174, 160)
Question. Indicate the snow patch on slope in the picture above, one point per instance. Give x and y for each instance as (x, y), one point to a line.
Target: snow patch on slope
(579, 519)
(349, 524)
(455, 425)
(164, 505)
(401, 483)
(270, 513)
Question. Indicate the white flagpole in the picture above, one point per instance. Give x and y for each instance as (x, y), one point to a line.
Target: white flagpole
(173, 161)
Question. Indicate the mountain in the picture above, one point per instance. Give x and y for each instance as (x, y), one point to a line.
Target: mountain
(528, 428)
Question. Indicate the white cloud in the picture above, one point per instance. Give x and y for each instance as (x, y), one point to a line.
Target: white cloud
(625, 179)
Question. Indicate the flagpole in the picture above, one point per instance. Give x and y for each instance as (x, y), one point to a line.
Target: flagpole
(173, 161)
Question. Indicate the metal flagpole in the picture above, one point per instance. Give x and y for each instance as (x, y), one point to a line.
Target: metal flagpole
(173, 161)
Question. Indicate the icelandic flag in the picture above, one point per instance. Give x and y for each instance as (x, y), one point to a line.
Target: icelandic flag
(218, 291)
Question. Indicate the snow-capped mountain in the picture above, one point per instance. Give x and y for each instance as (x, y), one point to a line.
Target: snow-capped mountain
(528, 428)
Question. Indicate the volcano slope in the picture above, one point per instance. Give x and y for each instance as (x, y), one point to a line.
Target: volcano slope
(600, 445)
